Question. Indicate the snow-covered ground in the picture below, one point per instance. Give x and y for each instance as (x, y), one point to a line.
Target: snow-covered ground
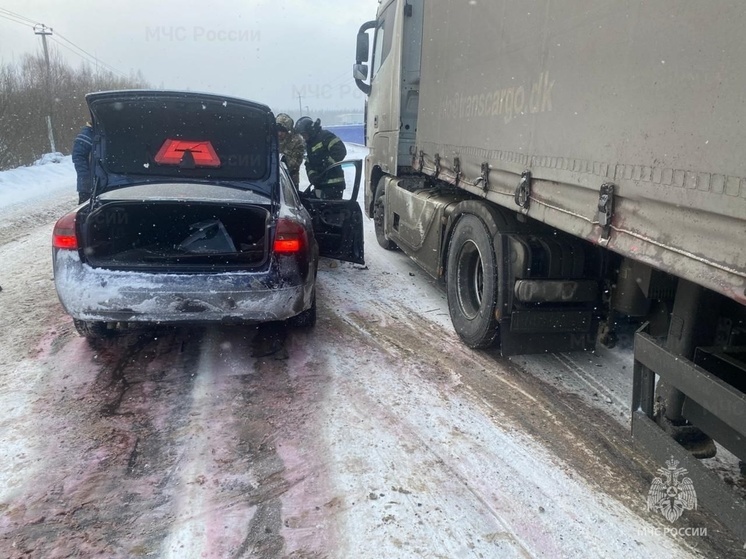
(48, 177)
(377, 434)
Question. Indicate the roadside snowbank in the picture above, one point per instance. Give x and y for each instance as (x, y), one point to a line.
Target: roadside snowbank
(40, 180)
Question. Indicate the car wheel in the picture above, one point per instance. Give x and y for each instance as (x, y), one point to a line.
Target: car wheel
(471, 281)
(93, 330)
(307, 318)
(378, 216)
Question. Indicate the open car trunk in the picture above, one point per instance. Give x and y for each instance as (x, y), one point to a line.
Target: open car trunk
(175, 236)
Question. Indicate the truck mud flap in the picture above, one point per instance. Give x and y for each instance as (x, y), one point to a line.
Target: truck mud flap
(522, 334)
(725, 405)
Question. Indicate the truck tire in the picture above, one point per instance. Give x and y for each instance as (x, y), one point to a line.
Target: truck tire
(93, 330)
(378, 216)
(471, 282)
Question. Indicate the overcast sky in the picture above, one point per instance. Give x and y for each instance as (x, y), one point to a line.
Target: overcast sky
(264, 50)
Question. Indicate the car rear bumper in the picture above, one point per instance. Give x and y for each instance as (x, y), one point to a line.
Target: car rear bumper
(94, 294)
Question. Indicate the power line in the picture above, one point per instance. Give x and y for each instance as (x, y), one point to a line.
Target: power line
(95, 61)
(23, 20)
(88, 54)
(342, 78)
(19, 16)
(11, 18)
(98, 60)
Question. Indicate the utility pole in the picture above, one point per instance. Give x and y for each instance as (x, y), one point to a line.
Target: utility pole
(43, 30)
(300, 108)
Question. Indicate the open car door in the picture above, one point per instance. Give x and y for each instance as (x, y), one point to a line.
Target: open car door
(338, 224)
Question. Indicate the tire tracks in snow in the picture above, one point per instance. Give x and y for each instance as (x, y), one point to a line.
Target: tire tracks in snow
(602, 452)
(433, 499)
(159, 449)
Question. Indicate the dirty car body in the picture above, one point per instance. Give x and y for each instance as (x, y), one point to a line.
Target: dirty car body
(194, 218)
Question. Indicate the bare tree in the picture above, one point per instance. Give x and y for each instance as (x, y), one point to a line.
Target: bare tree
(24, 99)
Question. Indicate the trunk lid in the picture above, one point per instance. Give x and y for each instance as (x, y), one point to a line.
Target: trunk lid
(143, 136)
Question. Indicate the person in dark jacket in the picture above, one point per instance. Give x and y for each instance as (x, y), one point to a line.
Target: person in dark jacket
(323, 149)
(82, 161)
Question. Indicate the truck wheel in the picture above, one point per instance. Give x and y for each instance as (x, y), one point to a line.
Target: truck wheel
(378, 213)
(93, 330)
(471, 279)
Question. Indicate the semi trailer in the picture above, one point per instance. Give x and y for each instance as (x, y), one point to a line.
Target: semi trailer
(566, 164)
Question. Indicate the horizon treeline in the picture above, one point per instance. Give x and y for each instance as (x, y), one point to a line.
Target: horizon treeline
(28, 95)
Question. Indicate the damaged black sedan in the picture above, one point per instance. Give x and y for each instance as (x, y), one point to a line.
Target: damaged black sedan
(194, 218)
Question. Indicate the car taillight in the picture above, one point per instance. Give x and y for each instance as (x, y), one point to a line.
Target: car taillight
(63, 235)
(290, 237)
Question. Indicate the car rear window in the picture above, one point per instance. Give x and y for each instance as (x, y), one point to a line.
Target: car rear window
(136, 130)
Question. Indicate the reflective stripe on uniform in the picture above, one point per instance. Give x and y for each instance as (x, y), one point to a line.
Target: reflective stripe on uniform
(317, 146)
(85, 139)
(334, 141)
(335, 180)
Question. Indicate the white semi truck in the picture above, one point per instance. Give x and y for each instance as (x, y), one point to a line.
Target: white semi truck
(564, 163)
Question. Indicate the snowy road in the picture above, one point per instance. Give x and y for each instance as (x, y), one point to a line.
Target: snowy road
(376, 435)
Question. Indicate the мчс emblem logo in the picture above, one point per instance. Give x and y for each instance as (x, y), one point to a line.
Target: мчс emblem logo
(669, 494)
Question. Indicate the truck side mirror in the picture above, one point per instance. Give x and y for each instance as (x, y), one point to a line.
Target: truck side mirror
(363, 45)
(360, 71)
(363, 41)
